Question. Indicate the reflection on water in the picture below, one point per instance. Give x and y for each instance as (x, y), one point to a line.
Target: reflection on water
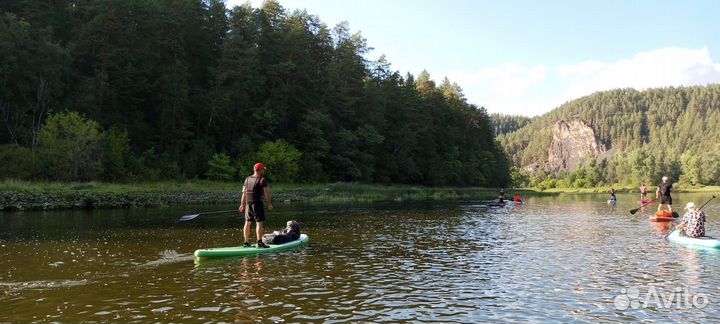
(563, 258)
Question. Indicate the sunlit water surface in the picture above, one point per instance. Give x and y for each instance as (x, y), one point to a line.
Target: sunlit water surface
(567, 258)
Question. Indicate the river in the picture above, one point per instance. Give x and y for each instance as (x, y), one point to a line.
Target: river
(564, 258)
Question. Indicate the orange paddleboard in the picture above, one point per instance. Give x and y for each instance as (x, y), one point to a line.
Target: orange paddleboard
(664, 216)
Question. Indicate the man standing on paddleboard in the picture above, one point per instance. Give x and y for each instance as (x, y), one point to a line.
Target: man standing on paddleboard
(251, 203)
(663, 192)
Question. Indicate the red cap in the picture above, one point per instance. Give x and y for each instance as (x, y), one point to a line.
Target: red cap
(259, 166)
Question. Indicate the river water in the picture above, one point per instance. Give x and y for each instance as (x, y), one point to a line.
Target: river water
(564, 258)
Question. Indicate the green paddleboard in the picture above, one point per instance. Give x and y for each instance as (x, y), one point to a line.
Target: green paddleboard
(706, 242)
(224, 252)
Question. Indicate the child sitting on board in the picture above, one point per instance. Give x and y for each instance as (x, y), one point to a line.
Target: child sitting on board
(288, 234)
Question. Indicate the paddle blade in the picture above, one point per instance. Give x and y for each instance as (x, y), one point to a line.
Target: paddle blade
(188, 217)
(668, 234)
(633, 211)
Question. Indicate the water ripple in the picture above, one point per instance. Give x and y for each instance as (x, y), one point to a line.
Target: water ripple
(556, 259)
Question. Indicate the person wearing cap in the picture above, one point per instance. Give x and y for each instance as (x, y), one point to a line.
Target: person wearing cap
(663, 192)
(693, 223)
(251, 204)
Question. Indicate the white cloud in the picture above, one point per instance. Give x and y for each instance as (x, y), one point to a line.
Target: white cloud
(582, 69)
(533, 90)
(657, 68)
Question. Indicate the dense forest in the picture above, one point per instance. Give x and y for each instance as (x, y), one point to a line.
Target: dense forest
(504, 124)
(143, 90)
(651, 133)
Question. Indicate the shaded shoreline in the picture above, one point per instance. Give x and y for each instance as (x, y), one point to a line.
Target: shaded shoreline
(53, 196)
(624, 189)
(20, 195)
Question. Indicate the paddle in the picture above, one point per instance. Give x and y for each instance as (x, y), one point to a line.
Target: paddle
(192, 216)
(701, 207)
(633, 211)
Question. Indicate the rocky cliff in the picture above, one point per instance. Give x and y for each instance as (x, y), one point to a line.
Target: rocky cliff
(572, 143)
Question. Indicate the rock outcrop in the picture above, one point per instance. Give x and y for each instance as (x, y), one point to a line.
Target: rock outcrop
(572, 143)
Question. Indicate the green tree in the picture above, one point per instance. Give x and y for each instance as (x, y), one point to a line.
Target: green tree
(220, 168)
(32, 70)
(518, 177)
(18, 162)
(184, 79)
(281, 159)
(69, 147)
(115, 147)
(692, 169)
(314, 128)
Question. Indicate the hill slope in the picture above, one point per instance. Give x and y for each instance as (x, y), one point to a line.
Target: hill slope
(504, 124)
(666, 131)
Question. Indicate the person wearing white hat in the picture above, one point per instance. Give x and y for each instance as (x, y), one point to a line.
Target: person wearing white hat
(663, 192)
(693, 223)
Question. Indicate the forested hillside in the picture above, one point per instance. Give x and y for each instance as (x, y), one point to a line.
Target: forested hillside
(504, 124)
(128, 90)
(667, 131)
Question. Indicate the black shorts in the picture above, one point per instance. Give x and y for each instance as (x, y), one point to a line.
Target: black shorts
(255, 212)
(667, 200)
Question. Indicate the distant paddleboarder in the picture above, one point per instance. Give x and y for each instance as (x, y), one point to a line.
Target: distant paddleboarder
(501, 196)
(613, 198)
(643, 193)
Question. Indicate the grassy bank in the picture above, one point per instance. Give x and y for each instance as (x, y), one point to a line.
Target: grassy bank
(19, 195)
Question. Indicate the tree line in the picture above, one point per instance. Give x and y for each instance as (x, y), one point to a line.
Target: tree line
(129, 90)
(664, 131)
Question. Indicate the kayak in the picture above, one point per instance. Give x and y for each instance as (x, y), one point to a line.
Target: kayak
(704, 241)
(234, 251)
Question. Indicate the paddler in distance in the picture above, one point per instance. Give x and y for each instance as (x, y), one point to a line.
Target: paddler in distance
(643, 193)
(517, 198)
(501, 196)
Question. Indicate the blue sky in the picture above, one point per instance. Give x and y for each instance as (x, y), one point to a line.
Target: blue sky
(528, 57)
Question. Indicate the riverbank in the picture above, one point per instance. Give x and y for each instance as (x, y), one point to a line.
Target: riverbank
(19, 195)
(625, 189)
